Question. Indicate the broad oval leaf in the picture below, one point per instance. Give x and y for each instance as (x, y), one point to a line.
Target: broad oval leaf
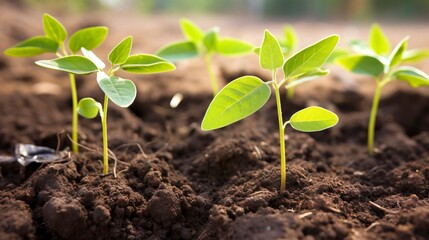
(310, 57)
(378, 41)
(231, 46)
(237, 100)
(415, 55)
(178, 51)
(211, 39)
(146, 64)
(396, 56)
(89, 108)
(361, 64)
(91, 56)
(54, 29)
(120, 91)
(32, 47)
(270, 54)
(120, 53)
(88, 38)
(412, 76)
(313, 119)
(191, 31)
(70, 64)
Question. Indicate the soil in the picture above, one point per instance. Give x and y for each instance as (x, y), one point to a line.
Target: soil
(175, 181)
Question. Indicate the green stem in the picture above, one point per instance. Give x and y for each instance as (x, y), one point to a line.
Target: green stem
(212, 75)
(372, 118)
(75, 146)
(281, 135)
(105, 142)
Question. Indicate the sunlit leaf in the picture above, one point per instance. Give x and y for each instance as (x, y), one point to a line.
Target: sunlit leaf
(120, 91)
(120, 52)
(88, 38)
(70, 64)
(54, 29)
(89, 108)
(396, 56)
(270, 54)
(362, 64)
(237, 100)
(412, 76)
(310, 57)
(361, 47)
(178, 51)
(337, 53)
(211, 39)
(32, 47)
(232, 46)
(313, 119)
(415, 55)
(290, 40)
(146, 64)
(91, 56)
(191, 31)
(378, 40)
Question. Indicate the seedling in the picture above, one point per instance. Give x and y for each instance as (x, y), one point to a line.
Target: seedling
(377, 60)
(246, 95)
(54, 42)
(120, 91)
(206, 44)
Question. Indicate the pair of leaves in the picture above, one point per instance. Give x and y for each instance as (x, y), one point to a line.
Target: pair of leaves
(246, 95)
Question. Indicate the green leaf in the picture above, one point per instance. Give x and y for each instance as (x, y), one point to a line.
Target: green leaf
(32, 47)
(362, 64)
(231, 46)
(412, 76)
(89, 38)
(270, 54)
(120, 53)
(89, 108)
(191, 31)
(415, 55)
(91, 56)
(313, 119)
(146, 63)
(310, 57)
(378, 40)
(337, 53)
(290, 41)
(237, 100)
(70, 64)
(178, 51)
(210, 40)
(54, 29)
(120, 91)
(309, 76)
(396, 56)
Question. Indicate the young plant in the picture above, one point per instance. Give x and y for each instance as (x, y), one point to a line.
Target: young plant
(206, 44)
(377, 60)
(245, 95)
(54, 42)
(120, 91)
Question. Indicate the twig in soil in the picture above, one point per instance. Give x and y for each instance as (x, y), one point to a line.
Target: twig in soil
(374, 224)
(304, 215)
(258, 152)
(332, 209)
(382, 208)
(128, 145)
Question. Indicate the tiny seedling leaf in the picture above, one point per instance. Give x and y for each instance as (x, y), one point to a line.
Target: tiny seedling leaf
(270, 54)
(120, 91)
(396, 56)
(32, 47)
(210, 40)
(361, 64)
(89, 108)
(70, 64)
(178, 51)
(89, 38)
(191, 31)
(237, 100)
(231, 46)
(120, 53)
(378, 41)
(290, 39)
(412, 76)
(313, 119)
(54, 29)
(91, 56)
(146, 64)
(309, 76)
(415, 55)
(310, 57)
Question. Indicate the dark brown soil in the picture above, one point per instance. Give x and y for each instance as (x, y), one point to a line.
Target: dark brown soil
(188, 184)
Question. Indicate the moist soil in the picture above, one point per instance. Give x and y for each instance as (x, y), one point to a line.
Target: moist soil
(175, 181)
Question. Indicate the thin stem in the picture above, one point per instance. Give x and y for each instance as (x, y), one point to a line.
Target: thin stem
(75, 118)
(372, 118)
(281, 135)
(105, 140)
(212, 75)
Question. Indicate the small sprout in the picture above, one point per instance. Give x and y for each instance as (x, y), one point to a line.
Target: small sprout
(121, 92)
(377, 60)
(200, 43)
(53, 42)
(246, 95)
